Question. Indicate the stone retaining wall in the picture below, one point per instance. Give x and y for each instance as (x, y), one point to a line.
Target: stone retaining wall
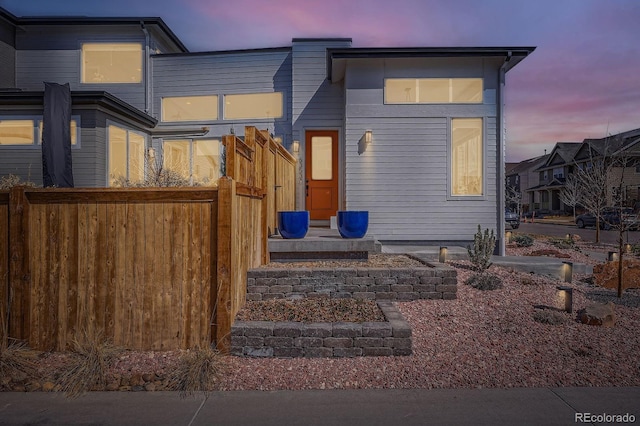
(344, 339)
(437, 281)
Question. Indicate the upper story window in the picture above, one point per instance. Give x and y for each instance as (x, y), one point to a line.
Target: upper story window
(558, 173)
(111, 63)
(253, 106)
(25, 132)
(433, 90)
(190, 108)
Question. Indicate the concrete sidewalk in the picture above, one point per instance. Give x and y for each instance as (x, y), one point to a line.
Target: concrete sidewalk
(522, 406)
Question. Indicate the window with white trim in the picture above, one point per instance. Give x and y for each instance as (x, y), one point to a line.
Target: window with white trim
(126, 155)
(433, 90)
(253, 106)
(111, 63)
(196, 160)
(467, 152)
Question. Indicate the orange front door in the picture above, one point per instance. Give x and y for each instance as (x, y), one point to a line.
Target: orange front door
(321, 164)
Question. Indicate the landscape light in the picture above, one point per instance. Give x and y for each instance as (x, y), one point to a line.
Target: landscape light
(509, 234)
(442, 258)
(565, 295)
(612, 256)
(567, 271)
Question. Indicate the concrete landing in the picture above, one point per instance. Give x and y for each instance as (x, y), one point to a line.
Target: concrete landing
(322, 244)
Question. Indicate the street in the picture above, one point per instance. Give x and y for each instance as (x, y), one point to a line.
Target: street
(587, 234)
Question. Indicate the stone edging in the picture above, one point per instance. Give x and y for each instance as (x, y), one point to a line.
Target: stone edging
(435, 281)
(310, 340)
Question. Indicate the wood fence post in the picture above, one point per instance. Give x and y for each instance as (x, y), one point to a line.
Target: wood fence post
(229, 142)
(227, 262)
(19, 268)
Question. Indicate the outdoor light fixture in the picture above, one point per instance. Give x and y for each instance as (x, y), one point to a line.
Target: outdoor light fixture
(612, 256)
(627, 248)
(152, 153)
(509, 233)
(567, 271)
(442, 257)
(565, 294)
(568, 237)
(368, 136)
(296, 147)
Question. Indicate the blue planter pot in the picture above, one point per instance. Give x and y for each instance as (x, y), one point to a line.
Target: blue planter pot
(293, 224)
(353, 224)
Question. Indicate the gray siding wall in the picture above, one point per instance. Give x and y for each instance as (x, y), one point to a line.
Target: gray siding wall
(7, 56)
(53, 54)
(402, 176)
(225, 73)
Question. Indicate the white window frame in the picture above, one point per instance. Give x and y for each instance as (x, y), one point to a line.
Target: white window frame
(417, 88)
(450, 180)
(128, 131)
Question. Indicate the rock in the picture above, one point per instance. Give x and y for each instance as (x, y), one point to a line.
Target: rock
(136, 380)
(19, 388)
(48, 386)
(598, 314)
(124, 388)
(33, 386)
(150, 387)
(137, 388)
(149, 377)
(112, 386)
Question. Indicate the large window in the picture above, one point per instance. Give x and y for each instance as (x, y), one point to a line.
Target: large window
(467, 154)
(190, 108)
(26, 132)
(126, 156)
(195, 160)
(111, 63)
(432, 90)
(253, 106)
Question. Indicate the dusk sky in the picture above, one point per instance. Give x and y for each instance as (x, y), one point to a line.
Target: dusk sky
(582, 81)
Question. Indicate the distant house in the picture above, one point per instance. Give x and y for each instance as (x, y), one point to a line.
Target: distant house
(413, 135)
(546, 175)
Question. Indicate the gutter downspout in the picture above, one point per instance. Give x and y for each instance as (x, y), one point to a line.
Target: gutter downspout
(147, 69)
(500, 151)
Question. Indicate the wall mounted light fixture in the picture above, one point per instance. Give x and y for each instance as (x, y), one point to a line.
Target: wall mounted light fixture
(368, 136)
(296, 147)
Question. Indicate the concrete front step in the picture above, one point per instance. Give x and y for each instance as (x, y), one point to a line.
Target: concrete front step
(322, 244)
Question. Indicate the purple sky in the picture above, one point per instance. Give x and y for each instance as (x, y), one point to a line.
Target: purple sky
(582, 81)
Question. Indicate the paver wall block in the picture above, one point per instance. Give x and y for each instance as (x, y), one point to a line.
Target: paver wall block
(397, 342)
(379, 288)
(385, 281)
(324, 295)
(257, 273)
(288, 281)
(295, 296)
(401, 288)
(289, 352)
(238, 328)
(379, 272)
(376, 329)
(254, 341)
(250, 282)
(318, 329)
(258, 289)
(385, 296)
(281, 289)
(268, 282)
(273, 341)
(400, 328)
(402, 272)
(258, 328)
(277, 273)
(341, 295)
(450, 280)
(347, 352)
(408, 296)
(308, 342)
(402, 352)
(376, 351)
(347, 329)
(362, 272)
(238, 341)
(360, 281)
(430, 280)
(318, 352)
(236, 351)
(287, 329)
(408, 281)
(449, 296)
(349, 288)
(345, 272)
(300, 272)
(338, 342)
(323, 272)
(260, 352)
(425, 272)
(302, 288)
(326, 288)
(311, 281)
(364, 295)
(365, 342)
(423, 288)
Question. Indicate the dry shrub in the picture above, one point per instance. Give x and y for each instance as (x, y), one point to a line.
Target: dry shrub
(17, 359)
(9, 181)
(87, 368)
(484, 281)
(198, 371)
(549, 317)
(606, 274)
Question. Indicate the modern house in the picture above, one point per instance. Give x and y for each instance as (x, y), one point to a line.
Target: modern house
(413, 135)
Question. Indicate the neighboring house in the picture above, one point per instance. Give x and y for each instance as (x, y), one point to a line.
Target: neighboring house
(547, 174)
(413, 135)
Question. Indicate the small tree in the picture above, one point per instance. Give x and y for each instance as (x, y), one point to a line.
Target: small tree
(480, 256)
(514, 197)
(570, 194)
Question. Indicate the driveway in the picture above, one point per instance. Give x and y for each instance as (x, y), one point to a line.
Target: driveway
(587, 234)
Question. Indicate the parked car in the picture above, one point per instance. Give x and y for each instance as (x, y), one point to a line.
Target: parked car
(512, 218)
(610, 216)
(537, 214)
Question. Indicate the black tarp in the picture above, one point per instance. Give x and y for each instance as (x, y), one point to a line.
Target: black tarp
(56, 136)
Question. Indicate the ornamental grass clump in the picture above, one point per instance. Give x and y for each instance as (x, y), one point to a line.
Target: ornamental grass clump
(199, 370)
(480, 256)
(522, 240)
